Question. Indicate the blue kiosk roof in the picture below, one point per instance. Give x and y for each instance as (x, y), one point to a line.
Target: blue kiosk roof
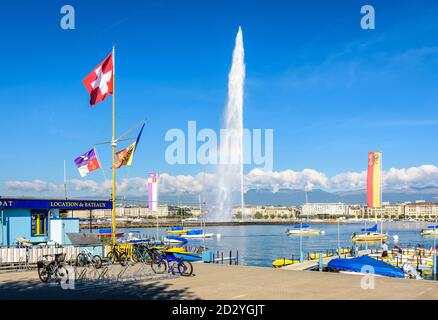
(70, 204)
(356, 265)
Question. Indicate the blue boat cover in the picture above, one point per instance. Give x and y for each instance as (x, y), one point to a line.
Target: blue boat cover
(107, 230)
(176, 228)
(356, 265)
(172, 237)
(193, 232)
(372, 229)
(303, 226)
(432, 227)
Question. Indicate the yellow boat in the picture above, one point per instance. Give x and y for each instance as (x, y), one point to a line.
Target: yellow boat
(429, 232)
(279, 263)
(343, 251)
(177, 231)
(315, 256)
(370, 236)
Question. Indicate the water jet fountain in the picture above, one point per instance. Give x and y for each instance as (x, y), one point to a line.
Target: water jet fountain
(230, 167)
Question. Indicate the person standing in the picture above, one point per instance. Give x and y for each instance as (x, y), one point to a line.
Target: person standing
(384, 250)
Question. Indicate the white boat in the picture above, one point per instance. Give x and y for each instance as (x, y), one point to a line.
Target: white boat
(192, 234)
(304, 230)
(370, 235)
(430, 231)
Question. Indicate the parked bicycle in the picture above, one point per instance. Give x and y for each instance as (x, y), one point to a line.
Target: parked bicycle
(167, 261)
(86, 257)
(117, 255)
(56, 268)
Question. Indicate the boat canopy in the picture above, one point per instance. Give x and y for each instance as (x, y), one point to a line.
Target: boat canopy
(356, 265)
(432, 227)
(195, 232)
(176, 228)
(106, 230)
(372, 229)
(301, 227)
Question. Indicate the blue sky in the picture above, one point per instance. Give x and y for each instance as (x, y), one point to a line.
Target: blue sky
(330, 90)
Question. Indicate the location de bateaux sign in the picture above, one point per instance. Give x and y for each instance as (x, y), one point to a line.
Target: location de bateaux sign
(6, 203)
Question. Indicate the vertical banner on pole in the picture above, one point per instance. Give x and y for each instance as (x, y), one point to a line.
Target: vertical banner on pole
(152, 192)
(374, 180)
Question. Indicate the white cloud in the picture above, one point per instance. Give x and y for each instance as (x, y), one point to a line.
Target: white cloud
(308, 179)
(37, 185)
(288, 179)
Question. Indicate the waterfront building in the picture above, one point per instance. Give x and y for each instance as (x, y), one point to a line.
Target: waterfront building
(421, 210)
(324, 210)
(38, 220)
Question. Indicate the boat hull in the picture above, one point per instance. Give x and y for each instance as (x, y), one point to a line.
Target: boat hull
(194, 236)
(308, 232)
(369, 237)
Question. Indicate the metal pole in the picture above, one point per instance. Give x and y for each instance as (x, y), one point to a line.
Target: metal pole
(65, 181)
(113, 145)
(301, 242)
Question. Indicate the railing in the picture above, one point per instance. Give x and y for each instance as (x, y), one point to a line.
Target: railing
(16, 259)
(219, 257)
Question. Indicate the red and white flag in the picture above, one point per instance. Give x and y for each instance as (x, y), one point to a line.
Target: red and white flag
(99, 82)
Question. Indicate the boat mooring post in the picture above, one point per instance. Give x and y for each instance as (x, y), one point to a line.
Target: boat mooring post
(320, 261)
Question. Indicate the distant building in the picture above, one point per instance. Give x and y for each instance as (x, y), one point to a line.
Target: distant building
(324, 210)
(421, 210)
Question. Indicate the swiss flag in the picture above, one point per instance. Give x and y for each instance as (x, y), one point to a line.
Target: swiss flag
(99, 82)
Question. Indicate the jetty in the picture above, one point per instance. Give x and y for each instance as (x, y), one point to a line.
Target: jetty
(311, 264)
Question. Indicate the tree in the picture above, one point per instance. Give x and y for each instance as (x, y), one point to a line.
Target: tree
(258, 215)
(272, 216)
(238, 215)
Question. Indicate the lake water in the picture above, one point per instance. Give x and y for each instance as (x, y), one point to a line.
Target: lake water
(259, 245)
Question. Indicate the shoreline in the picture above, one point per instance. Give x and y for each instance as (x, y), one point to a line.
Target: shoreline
(167, 224)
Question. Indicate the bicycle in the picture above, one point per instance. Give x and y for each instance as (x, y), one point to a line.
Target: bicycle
(172, 264)
(86, 257)
(116, 255)
(54, 268)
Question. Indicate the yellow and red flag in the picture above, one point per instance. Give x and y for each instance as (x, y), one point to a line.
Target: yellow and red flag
(124, 157)
(374, 179)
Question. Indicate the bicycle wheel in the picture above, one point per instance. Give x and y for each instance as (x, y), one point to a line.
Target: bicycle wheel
(62, 273)
(136, 257)
(111, 257)
(122, 258)
(43, 274)
(185, 268)
(159, 266)
(97, 261)
(81, 260)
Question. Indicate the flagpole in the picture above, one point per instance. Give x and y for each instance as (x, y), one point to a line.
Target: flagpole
(113, 145)
(65, 181)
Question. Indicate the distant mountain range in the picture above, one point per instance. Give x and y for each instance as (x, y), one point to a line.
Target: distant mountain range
(298, 197)
(288, 197)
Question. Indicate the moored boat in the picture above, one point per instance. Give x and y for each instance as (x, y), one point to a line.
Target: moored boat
(370, 235)
(177, 230)
(174, 239)
(186, 254)
(304, 230)
(429, 231)
(198, 233)
(279, 263)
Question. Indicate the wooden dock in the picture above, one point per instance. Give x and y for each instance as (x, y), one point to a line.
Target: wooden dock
(310, 264)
